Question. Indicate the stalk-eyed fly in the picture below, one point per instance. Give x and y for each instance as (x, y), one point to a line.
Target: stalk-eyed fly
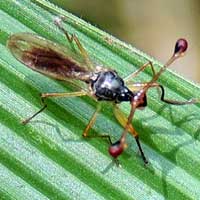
(103, 84)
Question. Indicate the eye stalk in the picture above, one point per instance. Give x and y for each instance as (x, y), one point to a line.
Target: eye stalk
(179, 51)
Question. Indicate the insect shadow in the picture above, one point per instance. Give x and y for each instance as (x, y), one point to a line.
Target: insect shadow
(172, 153)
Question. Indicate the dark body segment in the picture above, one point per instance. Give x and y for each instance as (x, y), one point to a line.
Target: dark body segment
(110, 87)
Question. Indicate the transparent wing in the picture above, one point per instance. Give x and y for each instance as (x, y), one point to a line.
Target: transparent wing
(47, 57)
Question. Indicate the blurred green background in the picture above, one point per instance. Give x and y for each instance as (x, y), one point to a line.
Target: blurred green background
(152, 26)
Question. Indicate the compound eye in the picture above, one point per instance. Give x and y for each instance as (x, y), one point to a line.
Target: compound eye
(116, 149)
(180, 47)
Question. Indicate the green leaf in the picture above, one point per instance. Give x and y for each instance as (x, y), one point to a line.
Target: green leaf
(49, 159)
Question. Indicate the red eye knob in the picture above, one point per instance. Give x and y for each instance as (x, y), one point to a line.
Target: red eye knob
(116, 149)
(181, 46)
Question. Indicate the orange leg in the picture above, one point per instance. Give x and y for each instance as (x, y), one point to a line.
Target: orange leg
(91, 123)
(142, 68)
(123, 120)
(47, 95)
(139, 86)
(73, 37)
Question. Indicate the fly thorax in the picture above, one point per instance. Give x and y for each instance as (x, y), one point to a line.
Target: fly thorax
(109, 86)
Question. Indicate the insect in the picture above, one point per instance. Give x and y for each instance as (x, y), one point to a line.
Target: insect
(102, 83)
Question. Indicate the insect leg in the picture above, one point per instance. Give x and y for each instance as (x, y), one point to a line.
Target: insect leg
(138, 86)
(122, 119)
(91, 123)
(174, 102)
(73, 37)
(142, 68)
(47, 95)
